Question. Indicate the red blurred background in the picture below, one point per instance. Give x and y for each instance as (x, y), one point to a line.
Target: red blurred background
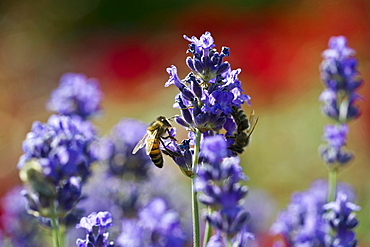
(128, 45)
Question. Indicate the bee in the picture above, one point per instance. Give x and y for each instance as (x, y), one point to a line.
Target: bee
(240, 118)
(153, 138)
(244, 129)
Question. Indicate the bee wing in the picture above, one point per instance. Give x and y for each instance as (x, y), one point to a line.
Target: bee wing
(253, 119)
(150, 141)
(141, 143)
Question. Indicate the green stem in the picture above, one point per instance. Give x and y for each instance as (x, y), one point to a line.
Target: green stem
(207, 230)
(194, 201)
(332, 184)
(195, 209)
(333, 172)
(62, 235)
(229, 244)
(343, 102)
(55, 231)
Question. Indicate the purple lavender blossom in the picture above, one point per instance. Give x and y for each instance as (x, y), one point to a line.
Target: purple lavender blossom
(219, 184)
(183, 157)
(302, 223)
(21, 228)
(210, 90)
(214, 149)
(334, 151)
(96, 225)
(56, 162)
(342, 221)
(216, 241)
(156, 226)
(76, 95)
(341, 79)
(206, 61)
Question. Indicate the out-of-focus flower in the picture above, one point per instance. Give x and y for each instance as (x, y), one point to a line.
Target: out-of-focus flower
(216, 241)
(120, 197)
(302, 223)
(262, 207)
(20, 228)
(334, 151)
(124, 173)
(156, 226)
(342, 220)
(341, 79)
(76, 95)
(56, 163)
(96, 225)
(116, 150)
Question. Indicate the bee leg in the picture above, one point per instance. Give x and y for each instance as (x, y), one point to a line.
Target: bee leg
(169, 136)
(169, 152)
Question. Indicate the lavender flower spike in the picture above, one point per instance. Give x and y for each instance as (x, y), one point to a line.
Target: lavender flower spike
(157, 226)
(20, 227)
(342, 221)
(341, 79)
(303, 222)
(218, 182)
(76, 95)
(206, 62)
(56, 163)
(209, 92)
(334, 153)
(100, 221)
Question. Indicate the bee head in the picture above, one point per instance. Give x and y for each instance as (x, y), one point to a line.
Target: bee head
(164, 120)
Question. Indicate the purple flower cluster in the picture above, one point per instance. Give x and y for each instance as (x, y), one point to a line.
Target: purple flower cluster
(156, 226)
(210, 90)
(209, 98)
(206, 62)
(303, 222)
(96, 225)
(76, 95)
(184, 155)
(342, 220)
(219, 183)
(341, 78)
(334, 152)
(56, 163)
(210, 101)
(20, 228)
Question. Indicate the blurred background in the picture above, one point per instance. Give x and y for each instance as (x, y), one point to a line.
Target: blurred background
(127, 46)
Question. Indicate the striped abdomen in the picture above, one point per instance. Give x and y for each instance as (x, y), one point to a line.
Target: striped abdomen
(156, 155)
(240, 118)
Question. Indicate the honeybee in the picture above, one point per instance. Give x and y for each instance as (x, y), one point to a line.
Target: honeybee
(241, 120)
(244, 129)
(153, 138)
